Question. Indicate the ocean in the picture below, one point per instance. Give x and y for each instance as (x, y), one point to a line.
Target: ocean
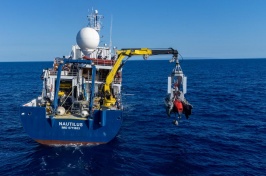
(225, 135)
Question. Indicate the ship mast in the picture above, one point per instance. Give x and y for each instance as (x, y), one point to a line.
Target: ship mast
(95, 21)
(111, 28)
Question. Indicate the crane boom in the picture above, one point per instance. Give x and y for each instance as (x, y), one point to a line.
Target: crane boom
(109, 100)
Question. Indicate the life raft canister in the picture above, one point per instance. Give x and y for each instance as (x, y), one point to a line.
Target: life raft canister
(178, 106)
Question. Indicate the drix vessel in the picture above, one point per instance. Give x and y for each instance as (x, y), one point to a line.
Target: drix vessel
(81, 101)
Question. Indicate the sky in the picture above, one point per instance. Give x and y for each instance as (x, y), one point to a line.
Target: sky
(40, 30)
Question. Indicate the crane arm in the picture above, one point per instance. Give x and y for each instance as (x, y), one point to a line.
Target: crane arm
(108, 98)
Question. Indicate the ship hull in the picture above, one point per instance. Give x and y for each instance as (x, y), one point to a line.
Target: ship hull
(56, 130)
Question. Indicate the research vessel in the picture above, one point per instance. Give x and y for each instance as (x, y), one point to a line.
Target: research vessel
(81, 101)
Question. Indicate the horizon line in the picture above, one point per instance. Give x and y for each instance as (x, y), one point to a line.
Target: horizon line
(136, 59)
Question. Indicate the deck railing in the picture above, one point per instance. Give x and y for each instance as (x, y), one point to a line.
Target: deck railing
(63, 73)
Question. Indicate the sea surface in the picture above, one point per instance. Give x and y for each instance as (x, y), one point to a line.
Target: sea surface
(225, 135)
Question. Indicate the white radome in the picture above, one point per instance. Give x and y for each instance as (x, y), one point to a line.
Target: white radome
(84, 114)
(88, 39)
(60, 110)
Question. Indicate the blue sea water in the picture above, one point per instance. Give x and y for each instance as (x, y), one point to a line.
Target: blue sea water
(225, 135)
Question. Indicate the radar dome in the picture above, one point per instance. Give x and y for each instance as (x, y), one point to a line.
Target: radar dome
(88, 39)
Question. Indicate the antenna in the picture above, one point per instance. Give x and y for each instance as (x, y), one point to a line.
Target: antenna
(111, 26)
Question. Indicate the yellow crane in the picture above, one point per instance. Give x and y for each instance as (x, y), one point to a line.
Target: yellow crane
(109, 100)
